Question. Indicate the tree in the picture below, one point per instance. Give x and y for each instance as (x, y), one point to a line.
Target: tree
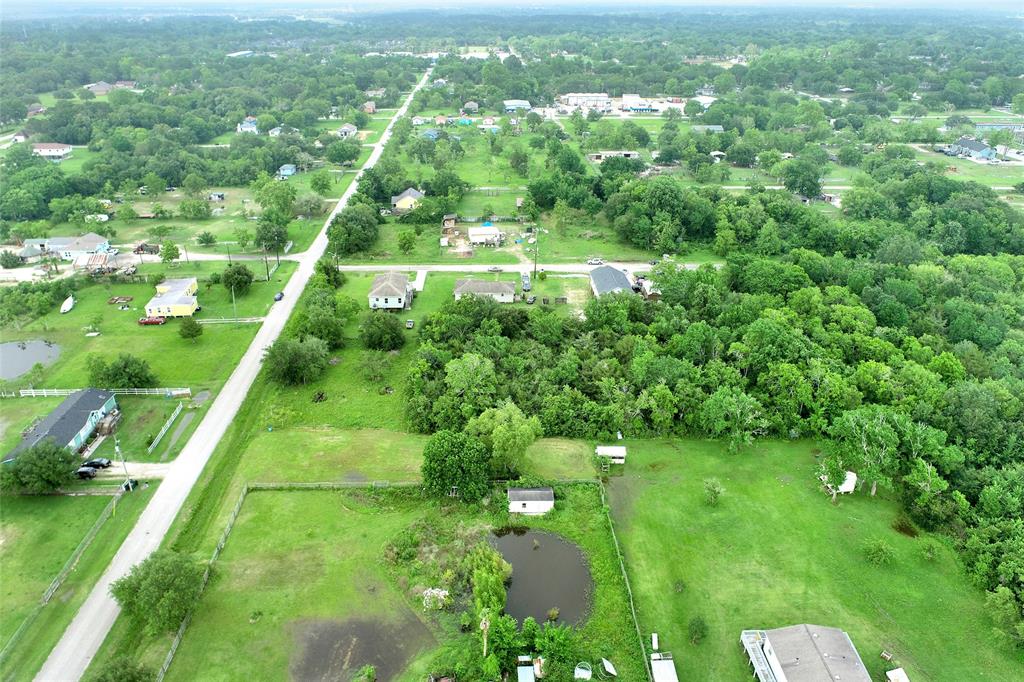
(169, 252)
(455, 461)
(374, 365)
(190, 329)
(713, 490)
(295, 361)
(354, 229)
(868, 440)
(9, 260)
(195, 209)
(343, 151)
(271, 235)
(802, 177)
(406, 241)
(122, 669)
(382, 331)
(159, 592)
(193, 185)
(237, 278)
(697, 629)
(328, 269)
(731, 412)
(126, 371)
(206, 238)
(127, 212)
(321, 182)
(507, 433)
(43, 468)
(154, 185)
(1001, 138)
(243, 237)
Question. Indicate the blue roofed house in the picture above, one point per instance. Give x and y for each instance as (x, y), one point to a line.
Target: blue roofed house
(248, 125)
(71, 423)
(514, 105)
(432, 134)
(286, 171)
(974, 149)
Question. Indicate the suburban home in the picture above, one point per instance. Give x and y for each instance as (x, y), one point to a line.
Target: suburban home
(484, 235)
(440, 120)
(471, 107)
(636, 104)
(803, 653)
(598, 157)
(502, 292)
(605, 279)
(514, 105)
(407, 200)
(346, 130)
(35, 110)
(390, 291)
(174, 298)
(286, 171)
(432, 134)
(52, 151)
(376, 93)
(530, 501)
(448, 220)
(100, 88)
(282, 130)
(71, 423)
(663, 668)
(616, 454)
(587, 100)
(974, 149)
(49, 244)
(248, 125)
(19, 136)
(86, 245)
(709, 129)
(420, 120)
(369, 107)
(706, 91)
(29, 254)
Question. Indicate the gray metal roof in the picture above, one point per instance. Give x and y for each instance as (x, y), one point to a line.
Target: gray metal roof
(815, 653)
(389, 284)
(66, 420)
(531, 495)
(606, 280)
(411, 192)
(973, 145)
(483, 287)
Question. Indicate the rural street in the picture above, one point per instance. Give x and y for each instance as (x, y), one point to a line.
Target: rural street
(83, 637)
(581, 268)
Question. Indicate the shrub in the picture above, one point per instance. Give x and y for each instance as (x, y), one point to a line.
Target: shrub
(206, 238)
(238, 277)
(122, 669)
(291, 361)
(698, 630)
(879, 552)
(41, 469)
(126, 371)
(712, 491)
(382, 331)
(159, 592)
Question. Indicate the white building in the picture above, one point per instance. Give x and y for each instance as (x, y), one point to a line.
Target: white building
(636, 103)
(663, 668)
(347, 130)
(587, 100)
(484, 235)
(616, 454)
(598, 157)
(514, 105)
(502, 292)
(248, 125)
(86, 245)
(390, 291)
(803, 653)
(52, 151)
(530, 501)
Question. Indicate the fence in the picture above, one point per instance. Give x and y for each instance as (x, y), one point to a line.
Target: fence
(167, 425)
(69, 566)
(60, 392)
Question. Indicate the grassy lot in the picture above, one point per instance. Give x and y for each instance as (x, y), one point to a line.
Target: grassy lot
(143, 417)
(427, 249)
(17, 414)
(1001, 175)
(79, 157)
(775, 552)
(39, 535)
(478, 203)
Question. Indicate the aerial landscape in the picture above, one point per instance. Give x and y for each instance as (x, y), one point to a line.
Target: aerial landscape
(482, 343)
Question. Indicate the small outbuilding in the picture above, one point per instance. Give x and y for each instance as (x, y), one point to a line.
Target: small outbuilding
(448, 220)
(663, 668)
(484, 235)
(848, 485)
(897, 675)
(530, 501)
(616, 454)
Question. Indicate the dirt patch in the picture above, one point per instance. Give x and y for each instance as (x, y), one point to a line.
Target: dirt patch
(354, 477)
(201, 397)
(335, 650)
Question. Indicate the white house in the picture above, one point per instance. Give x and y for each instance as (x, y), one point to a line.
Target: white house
(598, 157)
(390, 291)
(86, 245)
(248, 125)
(502, 292)
(282, 130)
(20, 136)
(52, 151)
(616, 454)
(346, 130)
(803, 653)
(484, 235)
(530, 501)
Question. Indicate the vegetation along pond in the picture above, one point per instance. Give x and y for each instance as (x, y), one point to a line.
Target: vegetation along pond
(18, 357)
(547, 572)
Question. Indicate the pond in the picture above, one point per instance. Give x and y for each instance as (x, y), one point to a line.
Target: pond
(547, 572)
(18, 357)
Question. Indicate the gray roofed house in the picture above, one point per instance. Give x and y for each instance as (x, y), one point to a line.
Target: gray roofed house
(512, 105)
(502, 292)
(471, 106)
(605, 279)
(71, 423)
(390, 291)
(407, 200)
(530, 501)
(973, 148)
(803, 653)
(705, 129)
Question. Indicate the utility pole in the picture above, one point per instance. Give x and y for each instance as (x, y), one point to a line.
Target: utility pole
(185, 249)
(228, 247)
(536, 249)
(266, 264)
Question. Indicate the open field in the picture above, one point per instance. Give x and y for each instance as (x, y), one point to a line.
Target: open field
(39, 535)
(775, 552)
(1000, 175)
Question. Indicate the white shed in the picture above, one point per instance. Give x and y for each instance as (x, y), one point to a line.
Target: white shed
(616, 454)
(897, 675)
(530, 501)
(848, 486)
(663, 668)
(484, 234)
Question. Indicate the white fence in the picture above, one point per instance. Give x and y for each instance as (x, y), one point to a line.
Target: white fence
(167, 425)
(59, 392)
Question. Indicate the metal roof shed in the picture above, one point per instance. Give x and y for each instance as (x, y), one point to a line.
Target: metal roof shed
(616, 453)
(663, 668)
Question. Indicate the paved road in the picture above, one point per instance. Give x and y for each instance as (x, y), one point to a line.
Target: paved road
(85, 634)
(581, 268)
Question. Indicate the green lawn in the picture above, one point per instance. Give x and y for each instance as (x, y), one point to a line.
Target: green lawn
(1000, 175)
(17, 414)
(39, 535)
(775, 552)
(79, 156)
(143, 417)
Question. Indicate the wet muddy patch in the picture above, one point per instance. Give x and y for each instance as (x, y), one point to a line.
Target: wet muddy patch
(336, 649)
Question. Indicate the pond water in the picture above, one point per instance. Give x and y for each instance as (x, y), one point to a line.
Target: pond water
(547, 572)
(18, 357)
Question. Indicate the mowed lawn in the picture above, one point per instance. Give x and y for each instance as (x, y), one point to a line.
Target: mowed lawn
(776, 552)
(292, 560)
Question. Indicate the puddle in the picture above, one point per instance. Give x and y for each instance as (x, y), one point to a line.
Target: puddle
(201, 397)
(547, 572)
(18, 357)
(336, 650)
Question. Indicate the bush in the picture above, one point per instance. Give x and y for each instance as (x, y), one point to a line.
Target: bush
(206, 238)
(879, 552)
(42, 468)
(712, 491)
(382, 331)
(190, 329)
(158, 593)
(122, 669)
(698, 630)
(9, 260)
(127, 371)
(238, 277)
(291, 361)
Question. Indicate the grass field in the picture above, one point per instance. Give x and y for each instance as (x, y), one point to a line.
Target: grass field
(17, 414)
(39, 535)
(1001, 175)
(775, 552)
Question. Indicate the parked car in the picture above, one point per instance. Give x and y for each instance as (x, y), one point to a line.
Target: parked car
(152, 320)
(98, 463)
(409, 324)
(494, 268)
(113, 252)
(278, 296)
(526, 281)
(595, 261)
(86, 473)
(530, 300)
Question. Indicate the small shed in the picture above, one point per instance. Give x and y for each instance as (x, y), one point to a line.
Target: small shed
(848, 485)
(449, 219)
(530, 501)
(663, 668)
(524, 669)
(616, 454)
(897, 675)
(484, 235)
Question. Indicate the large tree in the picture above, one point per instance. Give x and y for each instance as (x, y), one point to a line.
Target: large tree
(507, 433)
(295, 361)
(458, 462)
(158, 593)
(43, 468)
(382, 331)
(354, 229)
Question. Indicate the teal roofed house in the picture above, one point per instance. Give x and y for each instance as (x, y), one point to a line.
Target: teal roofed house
(71, 423)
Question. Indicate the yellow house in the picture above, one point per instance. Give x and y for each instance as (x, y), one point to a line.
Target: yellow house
(174, 298)
(407, 200)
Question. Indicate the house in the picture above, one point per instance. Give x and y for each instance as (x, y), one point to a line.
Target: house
(616, 454)
(706, 91)
(531, 502)
(28, 254)
(636, 104)
(174, 298)
(407, 200)
(803, 653)
(488, 120)
(369, 107)
(432, 134)
(973, 149)
(390, 291)
(707, 130)
(125, 85)
(524, 670)
(605, 279)
(52, 151)
(663, 668)
(471, 107)
(514, 105)
(71, 423)
(448, 220)
(346, 130)
(20, 136)
(215, 196)
(587, 100)
(484, 235)
(439, 83)
(282, 130)
(716, 156)
(286, 171)
(86, 245)
(1016, 128)
(35, 110)
(240, 53)
(649, 290)
(704, 100)
(376, 93)
(50, 244)
(248, 125)
(420, 120)
(598, 157)
(502, 292)
(100, 88)
(845, 90)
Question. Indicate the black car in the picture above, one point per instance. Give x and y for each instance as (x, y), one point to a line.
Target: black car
(98, 463)
(86, 473)
(530, 300)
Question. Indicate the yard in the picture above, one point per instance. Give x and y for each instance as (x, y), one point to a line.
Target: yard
(1000, 175)
(775, 552)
